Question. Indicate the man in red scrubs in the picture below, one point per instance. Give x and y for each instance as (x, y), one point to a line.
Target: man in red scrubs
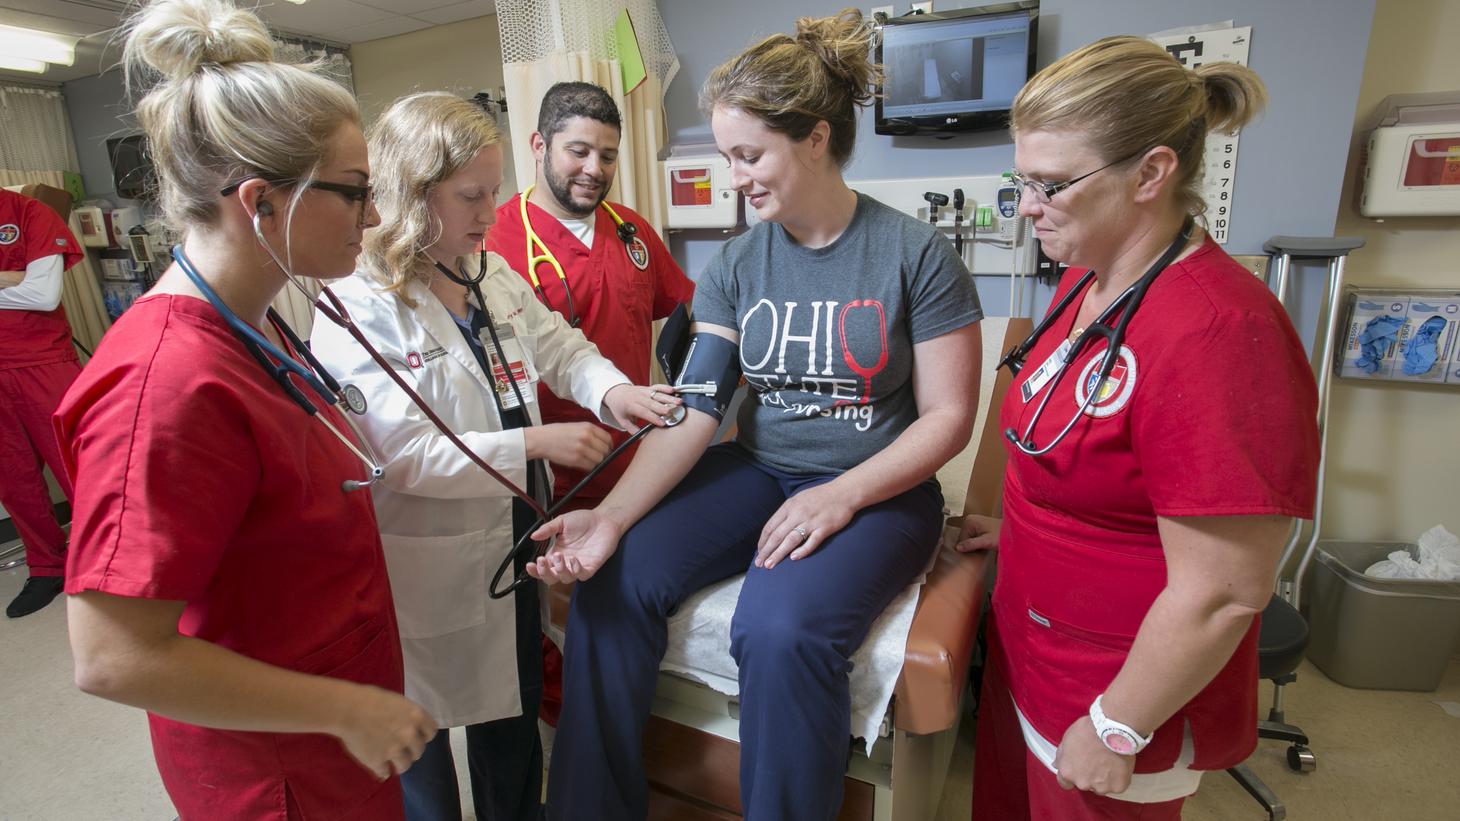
(37, 365)
(612, 288)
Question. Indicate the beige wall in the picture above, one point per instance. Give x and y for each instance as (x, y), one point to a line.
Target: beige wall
(1394, 449)
(462, 58)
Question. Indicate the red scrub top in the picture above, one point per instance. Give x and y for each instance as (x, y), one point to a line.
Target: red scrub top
(30, 230)
(198, 480)
(618, 292)
(1211, 412)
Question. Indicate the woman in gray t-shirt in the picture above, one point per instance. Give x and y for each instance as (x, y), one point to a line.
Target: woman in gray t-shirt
(856, 332)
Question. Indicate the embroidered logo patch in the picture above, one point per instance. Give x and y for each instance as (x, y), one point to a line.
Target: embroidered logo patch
(413, 359)
(639, 254)
(1115, 393)
(9, 233)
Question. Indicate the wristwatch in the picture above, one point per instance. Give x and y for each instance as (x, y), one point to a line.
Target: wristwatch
(1117, 738)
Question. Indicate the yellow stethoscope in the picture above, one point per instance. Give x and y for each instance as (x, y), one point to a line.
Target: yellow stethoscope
(626, 234)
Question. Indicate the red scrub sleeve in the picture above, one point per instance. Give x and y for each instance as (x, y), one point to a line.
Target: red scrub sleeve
(671, 287)
(164, 471)
(1227, 426)
(46, 234)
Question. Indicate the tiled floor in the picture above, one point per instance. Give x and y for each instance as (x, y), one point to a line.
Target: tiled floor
(1383, 756)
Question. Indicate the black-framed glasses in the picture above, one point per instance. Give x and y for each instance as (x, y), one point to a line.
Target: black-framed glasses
(1045, 191)
(363, 195)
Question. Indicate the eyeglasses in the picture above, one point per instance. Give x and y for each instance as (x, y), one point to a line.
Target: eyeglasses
(364, 195)
(1045, 191)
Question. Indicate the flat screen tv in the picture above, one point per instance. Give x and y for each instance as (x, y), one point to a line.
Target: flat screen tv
(132, 167)
(954, 71)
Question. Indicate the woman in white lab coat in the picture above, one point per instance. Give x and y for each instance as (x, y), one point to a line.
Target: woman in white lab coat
(446, 525)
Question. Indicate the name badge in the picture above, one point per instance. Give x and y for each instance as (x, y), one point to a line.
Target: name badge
(1041, 376)
(516, 369)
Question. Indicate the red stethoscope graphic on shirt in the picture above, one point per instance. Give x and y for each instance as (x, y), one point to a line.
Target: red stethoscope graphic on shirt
(866, 372)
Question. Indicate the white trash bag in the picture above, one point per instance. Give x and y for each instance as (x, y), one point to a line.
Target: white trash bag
(1439, 559)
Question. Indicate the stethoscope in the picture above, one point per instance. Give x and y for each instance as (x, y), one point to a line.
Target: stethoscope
(327, 388)
(1124, 306)
(524, 547)
(280, 366)
(627, 232)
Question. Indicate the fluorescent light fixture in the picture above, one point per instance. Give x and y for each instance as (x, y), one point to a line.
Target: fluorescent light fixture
(22, 64)
(43, 46)
(296, 2)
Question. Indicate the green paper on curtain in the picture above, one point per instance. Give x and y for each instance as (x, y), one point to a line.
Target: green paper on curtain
(72, 182)
(630, 59)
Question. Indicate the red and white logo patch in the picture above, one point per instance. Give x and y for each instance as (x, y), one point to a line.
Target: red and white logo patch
(413, 359)
(639, 254)
(9, 233)
(1115, 393)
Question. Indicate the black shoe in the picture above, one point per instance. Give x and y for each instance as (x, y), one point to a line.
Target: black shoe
(37, 593)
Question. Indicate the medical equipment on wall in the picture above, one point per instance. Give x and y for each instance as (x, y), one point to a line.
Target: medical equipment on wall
(1122, 309)
(1400, 335)
(93, 226)
(1411, 158)
(121, 222)
(697, 190)
(627, 234)
(935, 201)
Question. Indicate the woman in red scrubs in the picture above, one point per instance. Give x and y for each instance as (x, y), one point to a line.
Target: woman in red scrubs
(225, 573)
(1145, 512)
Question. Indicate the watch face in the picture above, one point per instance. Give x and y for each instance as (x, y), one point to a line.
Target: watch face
(1118, 742)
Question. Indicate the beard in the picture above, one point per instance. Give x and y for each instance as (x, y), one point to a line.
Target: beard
(562, 190)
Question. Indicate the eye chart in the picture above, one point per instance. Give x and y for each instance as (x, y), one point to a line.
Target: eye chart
(1193, 47)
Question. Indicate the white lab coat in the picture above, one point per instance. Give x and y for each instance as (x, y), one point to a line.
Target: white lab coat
(447, 525)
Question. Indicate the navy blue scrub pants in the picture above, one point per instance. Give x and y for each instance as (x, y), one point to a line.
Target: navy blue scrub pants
(793, 634)
(503, 757)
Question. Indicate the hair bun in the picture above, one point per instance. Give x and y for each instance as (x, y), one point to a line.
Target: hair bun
(843, 44)
(177, 37)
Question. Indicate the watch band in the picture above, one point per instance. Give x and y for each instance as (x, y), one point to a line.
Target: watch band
(1118, 738)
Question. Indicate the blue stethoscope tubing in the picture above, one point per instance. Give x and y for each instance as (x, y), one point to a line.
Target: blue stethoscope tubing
(1125, 305)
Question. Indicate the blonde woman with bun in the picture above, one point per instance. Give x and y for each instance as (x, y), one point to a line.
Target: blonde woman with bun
(855, 327)
(1138, 547)
(226, 572)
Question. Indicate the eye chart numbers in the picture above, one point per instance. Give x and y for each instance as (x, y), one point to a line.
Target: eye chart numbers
(1192, 49)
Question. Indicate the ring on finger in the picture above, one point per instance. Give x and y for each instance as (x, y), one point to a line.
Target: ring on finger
(800, 531)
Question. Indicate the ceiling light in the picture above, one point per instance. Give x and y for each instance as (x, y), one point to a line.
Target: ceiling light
(22, 64)
(296, 2)
(43, 46)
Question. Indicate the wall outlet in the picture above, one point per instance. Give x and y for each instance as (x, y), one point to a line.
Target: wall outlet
(925, 7)
(887, 10)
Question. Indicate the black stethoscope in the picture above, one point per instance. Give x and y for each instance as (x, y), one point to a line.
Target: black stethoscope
(627, 232)
(1124, 306)
(525, 547)
(280, 366)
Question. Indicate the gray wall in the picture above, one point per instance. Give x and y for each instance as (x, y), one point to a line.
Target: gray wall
(1291, 162)
(98, 111)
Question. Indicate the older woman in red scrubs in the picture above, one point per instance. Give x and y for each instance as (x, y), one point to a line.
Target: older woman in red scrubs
(225, 571)
(1149, 488)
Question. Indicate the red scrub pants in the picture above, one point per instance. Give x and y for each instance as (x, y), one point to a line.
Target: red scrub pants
(28, 397)
(1009, 783)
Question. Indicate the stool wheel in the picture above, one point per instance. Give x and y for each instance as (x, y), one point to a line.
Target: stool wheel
(1301, 759)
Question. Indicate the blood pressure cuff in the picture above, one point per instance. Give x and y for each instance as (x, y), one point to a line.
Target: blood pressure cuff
(710, 358)
(673, 341)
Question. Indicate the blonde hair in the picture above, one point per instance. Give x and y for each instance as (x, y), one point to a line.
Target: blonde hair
(791, 83)
(420, 141)
(221, 109)
(1128, 95)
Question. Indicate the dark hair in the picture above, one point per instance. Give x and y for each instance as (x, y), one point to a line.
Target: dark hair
(564, 101)
(824, 72)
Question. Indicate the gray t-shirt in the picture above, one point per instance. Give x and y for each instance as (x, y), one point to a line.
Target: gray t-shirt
(826, 334)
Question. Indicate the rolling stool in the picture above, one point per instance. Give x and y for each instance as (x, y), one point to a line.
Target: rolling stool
(1281, 641)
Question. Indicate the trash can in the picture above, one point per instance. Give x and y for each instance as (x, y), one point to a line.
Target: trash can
(1383, 634)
